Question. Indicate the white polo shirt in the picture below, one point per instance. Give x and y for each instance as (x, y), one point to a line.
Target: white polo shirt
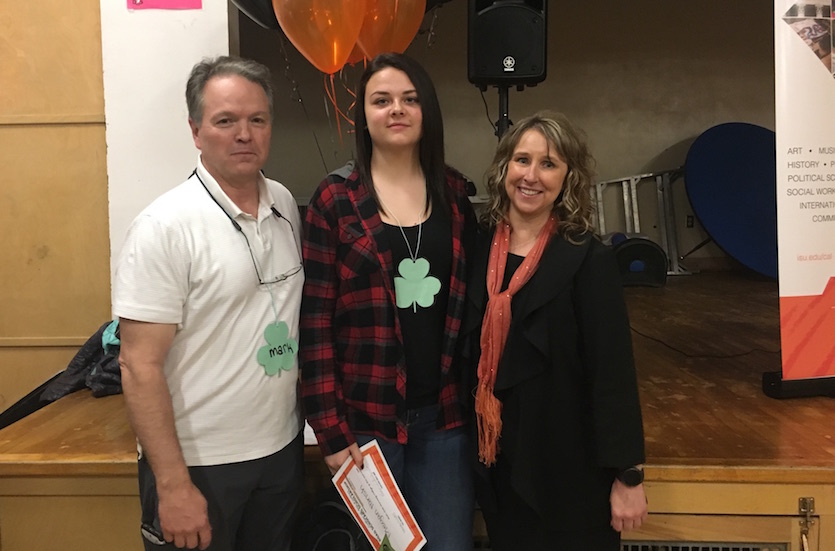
(184, 263)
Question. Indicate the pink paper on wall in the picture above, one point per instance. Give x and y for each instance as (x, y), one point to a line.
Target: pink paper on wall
(165, 4)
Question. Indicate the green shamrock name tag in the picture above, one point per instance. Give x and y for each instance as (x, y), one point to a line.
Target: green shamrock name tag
(415, 286)
(280, 352)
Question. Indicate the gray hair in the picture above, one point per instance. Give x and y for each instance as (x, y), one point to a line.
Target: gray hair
(208, 68)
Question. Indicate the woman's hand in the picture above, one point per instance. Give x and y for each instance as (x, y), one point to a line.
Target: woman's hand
(629, 506)
(336, 460)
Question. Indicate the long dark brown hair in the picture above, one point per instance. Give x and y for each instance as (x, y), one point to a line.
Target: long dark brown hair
(431, 145)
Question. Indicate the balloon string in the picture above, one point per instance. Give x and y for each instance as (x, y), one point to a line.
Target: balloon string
(346, 86)
(337, 111)
(332, 100)
(325, 100)
(430, 38)
(296, 96)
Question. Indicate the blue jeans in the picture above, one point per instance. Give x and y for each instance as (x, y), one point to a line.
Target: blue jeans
(435, 478)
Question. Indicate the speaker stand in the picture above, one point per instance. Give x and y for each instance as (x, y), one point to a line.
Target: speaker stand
(503, 123)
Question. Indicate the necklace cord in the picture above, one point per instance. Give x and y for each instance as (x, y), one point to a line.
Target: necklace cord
(413, 256)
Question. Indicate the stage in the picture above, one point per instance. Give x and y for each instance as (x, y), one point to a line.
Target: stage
(725, 463)
(702, 344)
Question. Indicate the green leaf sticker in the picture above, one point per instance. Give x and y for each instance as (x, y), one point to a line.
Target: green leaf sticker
(385, 545)
(280, 350)
(415, 286)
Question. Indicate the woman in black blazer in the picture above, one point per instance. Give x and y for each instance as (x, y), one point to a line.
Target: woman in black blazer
(559, 433)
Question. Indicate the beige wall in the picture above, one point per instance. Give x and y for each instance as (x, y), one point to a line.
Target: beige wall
(54, 249)
(643, 78)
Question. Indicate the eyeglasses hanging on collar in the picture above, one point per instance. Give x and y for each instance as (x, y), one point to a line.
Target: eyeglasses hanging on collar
(277, 279)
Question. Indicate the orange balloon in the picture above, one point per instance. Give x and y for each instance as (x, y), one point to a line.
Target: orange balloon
(390, 25)
(356, 56)
(324, 31)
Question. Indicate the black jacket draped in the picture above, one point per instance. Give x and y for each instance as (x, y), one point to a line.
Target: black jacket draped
(571, 414)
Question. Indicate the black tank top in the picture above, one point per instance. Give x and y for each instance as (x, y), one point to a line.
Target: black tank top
(423, 327)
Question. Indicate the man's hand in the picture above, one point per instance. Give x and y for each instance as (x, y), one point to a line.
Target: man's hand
(184, 516)
(336, 460)
(629, 506)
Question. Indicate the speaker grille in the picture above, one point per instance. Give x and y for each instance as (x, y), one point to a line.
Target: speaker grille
(506, 42)
(483, 544)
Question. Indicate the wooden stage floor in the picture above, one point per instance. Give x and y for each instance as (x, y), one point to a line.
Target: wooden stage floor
(701, 345)
(725, 463)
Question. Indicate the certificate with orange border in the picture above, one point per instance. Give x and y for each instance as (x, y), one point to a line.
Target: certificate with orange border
(376, 503)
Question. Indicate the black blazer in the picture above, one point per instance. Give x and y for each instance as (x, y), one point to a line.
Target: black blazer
(571, 415)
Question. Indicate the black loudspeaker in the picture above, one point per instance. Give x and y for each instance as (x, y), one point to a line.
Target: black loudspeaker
(641, 262)
(506, 42)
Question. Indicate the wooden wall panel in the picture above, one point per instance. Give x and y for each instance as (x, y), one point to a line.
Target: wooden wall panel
(23, 368)
(70, 523)
(50, 62)
(55, 247)
(54, 255)
(715, 528)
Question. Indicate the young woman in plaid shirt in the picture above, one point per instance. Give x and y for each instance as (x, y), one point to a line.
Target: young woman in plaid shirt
(384, 262)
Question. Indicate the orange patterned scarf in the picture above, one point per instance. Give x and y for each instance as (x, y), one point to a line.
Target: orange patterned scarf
(494, 330)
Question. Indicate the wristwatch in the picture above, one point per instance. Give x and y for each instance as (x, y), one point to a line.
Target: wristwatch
(633, 476)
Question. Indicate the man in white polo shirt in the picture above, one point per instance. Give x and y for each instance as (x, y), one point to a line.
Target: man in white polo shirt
(207, 291)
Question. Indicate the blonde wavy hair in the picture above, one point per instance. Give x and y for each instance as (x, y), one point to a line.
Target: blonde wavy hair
(574, 207)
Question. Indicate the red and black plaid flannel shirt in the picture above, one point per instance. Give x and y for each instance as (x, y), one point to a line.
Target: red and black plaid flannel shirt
(352, 361)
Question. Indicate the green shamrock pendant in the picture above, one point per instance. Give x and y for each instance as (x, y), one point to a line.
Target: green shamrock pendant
(415, 286)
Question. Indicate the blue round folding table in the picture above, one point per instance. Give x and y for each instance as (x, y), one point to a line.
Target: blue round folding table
(731, 181)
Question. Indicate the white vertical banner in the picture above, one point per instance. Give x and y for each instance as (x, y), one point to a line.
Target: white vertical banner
(805, 129)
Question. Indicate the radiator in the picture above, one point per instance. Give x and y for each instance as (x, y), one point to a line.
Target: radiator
(701, 546)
